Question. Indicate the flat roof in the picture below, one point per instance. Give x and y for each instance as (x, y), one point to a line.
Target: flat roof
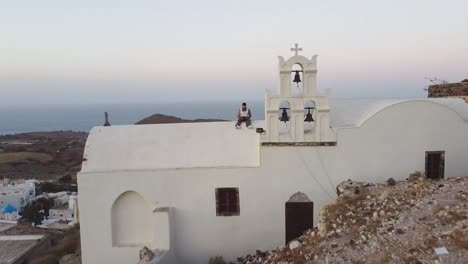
(15, 246)
(171, 146)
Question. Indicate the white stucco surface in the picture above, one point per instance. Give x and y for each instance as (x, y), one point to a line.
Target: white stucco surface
(164, 146)
(390, 142)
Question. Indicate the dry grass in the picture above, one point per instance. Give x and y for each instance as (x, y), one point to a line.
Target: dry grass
(24, 156)
(460, 239)
(46, 259)
(380, 257)
(341, 207)
(68, 245)
(431, 242)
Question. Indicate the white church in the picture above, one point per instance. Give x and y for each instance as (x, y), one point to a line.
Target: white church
(198, 190)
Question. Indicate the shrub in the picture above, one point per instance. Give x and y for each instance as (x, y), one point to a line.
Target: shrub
(32, 213)
(391, 182)
(66, 179)
(218, 260)
(66, 246)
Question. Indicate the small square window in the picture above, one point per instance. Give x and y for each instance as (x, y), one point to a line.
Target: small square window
(227, 202)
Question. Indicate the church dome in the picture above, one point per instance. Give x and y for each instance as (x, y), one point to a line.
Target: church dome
(9, 209)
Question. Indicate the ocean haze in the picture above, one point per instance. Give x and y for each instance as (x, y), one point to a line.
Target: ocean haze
(82, 117)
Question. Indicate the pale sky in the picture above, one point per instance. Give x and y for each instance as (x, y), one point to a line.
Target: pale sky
(107, 51)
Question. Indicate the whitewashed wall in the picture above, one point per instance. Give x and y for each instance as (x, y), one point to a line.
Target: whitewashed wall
(392, 143)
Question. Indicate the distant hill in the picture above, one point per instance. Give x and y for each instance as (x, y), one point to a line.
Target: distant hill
(165, 119)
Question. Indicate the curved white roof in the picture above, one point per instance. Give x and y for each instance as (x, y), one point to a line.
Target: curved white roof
(353, 113)
(170, 146)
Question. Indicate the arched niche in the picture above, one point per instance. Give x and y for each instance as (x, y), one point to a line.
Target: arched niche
(297, 88)
(131, 220)
(284, 111)
(309, 107)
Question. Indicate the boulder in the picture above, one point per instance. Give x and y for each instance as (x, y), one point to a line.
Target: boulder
(294, 244)
(349, 188)
(147, 256)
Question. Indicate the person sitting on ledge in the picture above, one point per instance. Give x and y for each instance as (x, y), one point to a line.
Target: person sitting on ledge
(244, 115)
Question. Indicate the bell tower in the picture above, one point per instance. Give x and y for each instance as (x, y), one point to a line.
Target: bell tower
(297, 113)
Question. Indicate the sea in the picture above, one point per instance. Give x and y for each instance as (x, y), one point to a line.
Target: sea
(82, 117)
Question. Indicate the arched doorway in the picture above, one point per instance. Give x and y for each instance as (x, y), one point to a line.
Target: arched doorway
(299, 212)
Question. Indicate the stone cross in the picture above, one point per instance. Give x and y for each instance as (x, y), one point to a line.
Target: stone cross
(296, 49)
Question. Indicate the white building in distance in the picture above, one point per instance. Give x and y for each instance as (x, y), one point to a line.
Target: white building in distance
(199, 190)
(66, 213)
(17, 194)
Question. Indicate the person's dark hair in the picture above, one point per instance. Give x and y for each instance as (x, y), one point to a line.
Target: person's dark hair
(244, 104)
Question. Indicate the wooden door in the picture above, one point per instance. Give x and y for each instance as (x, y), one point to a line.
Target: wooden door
(435, 164)
(299, 218)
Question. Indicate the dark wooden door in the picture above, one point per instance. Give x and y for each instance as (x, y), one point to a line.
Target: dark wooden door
(299, 218)
(435, 164)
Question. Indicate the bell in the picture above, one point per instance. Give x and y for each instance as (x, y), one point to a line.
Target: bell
(309, 117)
(297, 78)
(284, 115)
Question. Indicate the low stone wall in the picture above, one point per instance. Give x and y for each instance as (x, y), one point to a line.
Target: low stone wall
(449, 90)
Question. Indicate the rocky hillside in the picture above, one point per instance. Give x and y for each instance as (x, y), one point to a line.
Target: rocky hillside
(42, 155)
(165, 119)
(400, 222)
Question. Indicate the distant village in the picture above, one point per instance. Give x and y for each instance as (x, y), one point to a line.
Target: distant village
(26, 203)
(18, 197)
(38, 196)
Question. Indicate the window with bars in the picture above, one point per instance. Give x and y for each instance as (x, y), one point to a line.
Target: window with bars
(227, 202)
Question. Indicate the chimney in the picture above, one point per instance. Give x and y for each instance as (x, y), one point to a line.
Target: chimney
(106, 117)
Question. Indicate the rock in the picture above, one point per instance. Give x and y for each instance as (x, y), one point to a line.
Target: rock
(441, 213)
(294, 244)
(349, 188)
(70, 259)
(375, 216)
(399, 231)
(415, 176)
(147, 256)
(383, 196)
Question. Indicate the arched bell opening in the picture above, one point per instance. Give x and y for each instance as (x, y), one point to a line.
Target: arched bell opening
(309, 116)
(297, 78)
(284, 117)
